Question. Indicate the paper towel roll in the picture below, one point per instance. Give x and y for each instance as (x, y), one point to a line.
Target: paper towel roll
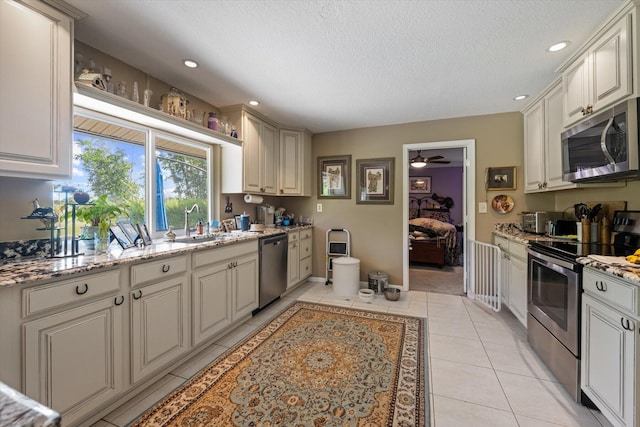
(252, 198)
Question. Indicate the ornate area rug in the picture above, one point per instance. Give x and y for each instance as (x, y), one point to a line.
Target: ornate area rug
(313, 365)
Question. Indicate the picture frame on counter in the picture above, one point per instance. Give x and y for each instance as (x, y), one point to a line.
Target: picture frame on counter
(334, 177)
(375, 180)
(121, 237)
(501, 178)
(144, 233)
(420, 184)
(129, 230)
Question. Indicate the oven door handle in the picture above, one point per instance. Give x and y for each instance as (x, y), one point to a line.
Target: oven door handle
(551, 260)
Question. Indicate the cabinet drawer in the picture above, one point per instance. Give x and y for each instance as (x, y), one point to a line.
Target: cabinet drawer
(56, 294)
(305, 268)
(518, 250)
(305, 234)
(294, 236)
(611, 290)
(501, 242)
(305, 248)
(155, 270)
(215, 255)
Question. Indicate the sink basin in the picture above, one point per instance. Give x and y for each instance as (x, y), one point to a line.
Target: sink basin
(197, 239)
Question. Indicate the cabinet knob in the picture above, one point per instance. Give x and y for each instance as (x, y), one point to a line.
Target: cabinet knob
(601, 286)
(166, 268)
(544, 184)
(626, 324)
(84, 290)
(139, 295)
(119, 298)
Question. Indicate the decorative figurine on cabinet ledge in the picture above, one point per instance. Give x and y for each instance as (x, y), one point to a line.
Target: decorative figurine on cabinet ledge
(175, 103)
(41, 212)
(92, 79)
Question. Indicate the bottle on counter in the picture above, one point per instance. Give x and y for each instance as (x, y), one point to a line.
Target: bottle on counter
(200, 227)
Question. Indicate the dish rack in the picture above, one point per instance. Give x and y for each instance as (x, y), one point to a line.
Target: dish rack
(335, 249)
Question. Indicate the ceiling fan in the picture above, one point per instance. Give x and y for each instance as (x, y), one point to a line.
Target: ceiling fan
(420, 162)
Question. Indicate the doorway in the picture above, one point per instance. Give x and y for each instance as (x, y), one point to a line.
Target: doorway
(453, 206)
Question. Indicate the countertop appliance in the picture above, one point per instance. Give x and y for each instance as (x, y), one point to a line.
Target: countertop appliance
(536, 222)
(604, 147)
(273, 268)
(265, 215)
(554, 288)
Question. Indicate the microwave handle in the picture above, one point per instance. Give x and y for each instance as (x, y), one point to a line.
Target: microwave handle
(603, 142)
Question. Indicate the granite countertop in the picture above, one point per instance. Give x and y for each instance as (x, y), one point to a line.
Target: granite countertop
(17, 409)
(616, 266)
(31, 270)
(513, 232)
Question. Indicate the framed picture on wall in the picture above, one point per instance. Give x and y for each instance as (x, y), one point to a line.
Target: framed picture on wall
(375, 180)
(420, 184)
(502, 178)
(334, 177)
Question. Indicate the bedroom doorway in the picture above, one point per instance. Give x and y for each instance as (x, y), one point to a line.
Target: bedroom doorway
(437, 200)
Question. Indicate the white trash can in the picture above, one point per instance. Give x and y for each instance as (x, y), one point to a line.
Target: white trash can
(346, 276)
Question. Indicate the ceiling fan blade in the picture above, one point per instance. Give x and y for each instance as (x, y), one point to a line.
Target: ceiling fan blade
(438, 161)
(435, 158)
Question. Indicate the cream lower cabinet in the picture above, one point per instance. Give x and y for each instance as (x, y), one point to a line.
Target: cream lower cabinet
(224, 288)
(35, 64)
(306, 250)
(293, 259)
(159, 325)
(610, 368)
(513, 276)
(73, 359)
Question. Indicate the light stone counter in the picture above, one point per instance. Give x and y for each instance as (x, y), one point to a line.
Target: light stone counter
(38, 269)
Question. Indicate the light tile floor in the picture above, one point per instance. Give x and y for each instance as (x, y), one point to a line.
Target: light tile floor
(482, 372)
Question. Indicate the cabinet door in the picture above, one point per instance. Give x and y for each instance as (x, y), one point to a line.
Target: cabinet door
(73, 359)
(291, 159)
(269, 159)
(159, 325)
(293, 264)
(251, 128)
(35, 65)
(505, 275)
(575, 81)
(245, 286)
(518, 289)
(553, 141)
(608, 364)
(611, 66)
(534, 148)
(211, 301)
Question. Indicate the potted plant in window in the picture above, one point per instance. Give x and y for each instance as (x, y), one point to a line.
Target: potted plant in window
(98, 217)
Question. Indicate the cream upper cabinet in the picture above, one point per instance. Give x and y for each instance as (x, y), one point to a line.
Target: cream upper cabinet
(543, 143)
(35, 83)
(603, 74)
(260, 154)
(295, 163)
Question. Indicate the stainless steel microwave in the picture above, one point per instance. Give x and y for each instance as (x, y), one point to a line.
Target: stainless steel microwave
(604, 147)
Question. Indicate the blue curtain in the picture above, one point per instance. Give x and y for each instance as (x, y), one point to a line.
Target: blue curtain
(161, 212)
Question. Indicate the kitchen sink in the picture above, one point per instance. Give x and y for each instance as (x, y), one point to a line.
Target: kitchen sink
(199, 239)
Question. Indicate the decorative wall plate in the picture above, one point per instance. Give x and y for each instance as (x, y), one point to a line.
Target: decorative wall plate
(502, 204)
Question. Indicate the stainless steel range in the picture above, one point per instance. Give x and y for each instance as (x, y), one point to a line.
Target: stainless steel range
(554, 284)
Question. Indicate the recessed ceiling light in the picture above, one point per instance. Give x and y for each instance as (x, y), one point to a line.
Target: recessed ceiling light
(190, 63)
(521, 97)
(254, 102)
(558, 46)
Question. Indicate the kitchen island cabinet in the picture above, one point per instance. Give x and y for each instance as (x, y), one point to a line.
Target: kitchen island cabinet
(35, 56)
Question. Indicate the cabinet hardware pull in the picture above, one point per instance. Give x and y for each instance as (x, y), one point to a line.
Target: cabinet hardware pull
(626, 324)
(115, 300)
(79, 292)
(166, 268)
(230, 265)
(139, 295)
(235, 264)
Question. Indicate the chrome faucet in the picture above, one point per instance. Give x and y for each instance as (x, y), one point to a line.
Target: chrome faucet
(187, 230)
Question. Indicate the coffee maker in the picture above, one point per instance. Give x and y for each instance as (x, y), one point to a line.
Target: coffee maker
(265, 215)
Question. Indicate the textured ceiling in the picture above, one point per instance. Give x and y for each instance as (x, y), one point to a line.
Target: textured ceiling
(340, 64)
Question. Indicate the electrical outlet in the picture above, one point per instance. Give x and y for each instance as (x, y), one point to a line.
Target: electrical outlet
(319, 207)
(482, 207)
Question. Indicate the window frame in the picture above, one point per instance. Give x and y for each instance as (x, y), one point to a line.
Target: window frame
(151, 134)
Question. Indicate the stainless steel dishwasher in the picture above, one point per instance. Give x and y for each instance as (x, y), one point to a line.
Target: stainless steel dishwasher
(273, 268)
